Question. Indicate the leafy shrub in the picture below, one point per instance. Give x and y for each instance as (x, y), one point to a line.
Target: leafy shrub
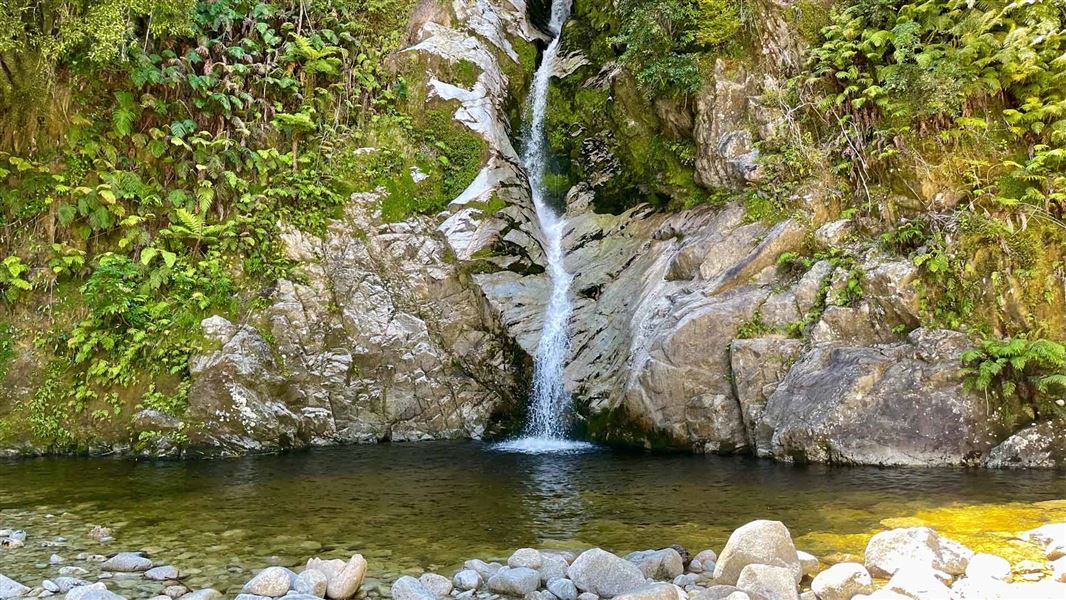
(1025, 378)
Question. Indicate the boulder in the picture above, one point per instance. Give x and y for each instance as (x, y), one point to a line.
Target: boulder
(311, 581)
(604, 574)
(127, 562)
(651, 591)
(1038, 446)
(271, 581)
(329, 568)
(162, 573)
(919, 583)
(842, 581)
(979, 588)
(922, 547)
(438, 584)
(515, 581)
(563, 588)
(769, 582)
(808, 562)
(662, 564)
(894, 404)
(525, 557)
(65, 584)
(482, 568)
(9, 588)
(553, 567)
(759, 542)
(96, 591)
(409, 588)
(466, 579)
(988, 565)
(345, 583)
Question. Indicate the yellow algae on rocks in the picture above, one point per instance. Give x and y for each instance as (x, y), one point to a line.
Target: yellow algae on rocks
(991, 528)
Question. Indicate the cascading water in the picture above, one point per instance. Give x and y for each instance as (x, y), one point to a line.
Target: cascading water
(549, 403)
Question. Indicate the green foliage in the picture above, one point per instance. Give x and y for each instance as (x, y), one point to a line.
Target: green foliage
(1026, 379)
(664, 40)
(12, 282)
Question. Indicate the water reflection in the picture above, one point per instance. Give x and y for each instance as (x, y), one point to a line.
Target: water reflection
(553, 496)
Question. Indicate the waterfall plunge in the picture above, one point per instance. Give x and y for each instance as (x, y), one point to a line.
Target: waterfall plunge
(549, 402)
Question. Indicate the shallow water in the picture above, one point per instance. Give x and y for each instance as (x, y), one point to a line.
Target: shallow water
(433, 505)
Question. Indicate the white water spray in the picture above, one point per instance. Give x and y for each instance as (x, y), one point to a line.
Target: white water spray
(546, 428)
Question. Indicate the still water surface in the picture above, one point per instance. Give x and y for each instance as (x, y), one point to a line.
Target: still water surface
(433, 505)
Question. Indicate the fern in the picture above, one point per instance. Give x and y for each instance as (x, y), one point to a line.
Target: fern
(1025, 378)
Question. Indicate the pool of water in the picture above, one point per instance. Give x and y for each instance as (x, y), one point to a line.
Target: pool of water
(409, 507)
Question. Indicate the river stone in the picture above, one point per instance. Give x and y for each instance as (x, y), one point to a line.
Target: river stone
(311, 581)
(271, 581)
(9, 588)
(919, 583)
(175, 591)
(72, 571)
(979, 588)
(56, 559)
(665, 564)
(484, 569)
(525, 557)
(808, 562)
(717, 592)
(651, 591)
(563, 588)
(438, 584)
(65, 584)
(553, 568)
(329, 568)
(515, 581)
(409, 588)
(890, 550)
(587, 596)
(842, 581)
(346, 582)
(604, 574)
(127, 562)
(769, 582)
(96, 591)
(162, 573)
(759, 542)
(206, 594)
(988, 565)
(247, 597)
(467, 579)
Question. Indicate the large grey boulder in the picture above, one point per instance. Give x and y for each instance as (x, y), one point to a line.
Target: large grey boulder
(515, 581)
(604, 574)
(918, 547)
(761, 543)
(563, 588)
(896, 404)
(771, 583)
(662, 564)
(9, 588)
(466, 579)
(842, 581)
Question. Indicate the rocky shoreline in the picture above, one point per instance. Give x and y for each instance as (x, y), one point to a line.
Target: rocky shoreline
(758, 562)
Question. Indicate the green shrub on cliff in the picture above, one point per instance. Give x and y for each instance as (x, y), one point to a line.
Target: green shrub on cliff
(1026, 378)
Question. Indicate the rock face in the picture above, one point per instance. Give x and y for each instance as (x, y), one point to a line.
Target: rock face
(881, 404)
(1040, 446)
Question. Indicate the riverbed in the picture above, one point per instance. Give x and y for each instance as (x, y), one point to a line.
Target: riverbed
(410, 507)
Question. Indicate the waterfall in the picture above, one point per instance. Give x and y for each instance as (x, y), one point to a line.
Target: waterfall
(549, 402)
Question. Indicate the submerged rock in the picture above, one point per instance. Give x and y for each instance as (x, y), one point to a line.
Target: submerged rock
(127, 562)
